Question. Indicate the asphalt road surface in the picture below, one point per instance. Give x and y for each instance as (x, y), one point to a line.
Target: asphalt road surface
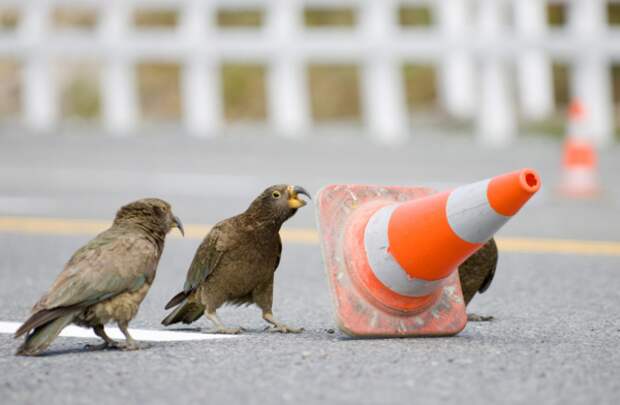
(555, 339)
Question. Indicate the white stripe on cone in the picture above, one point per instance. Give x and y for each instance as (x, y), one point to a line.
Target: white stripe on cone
(470, 214)
(580, 179)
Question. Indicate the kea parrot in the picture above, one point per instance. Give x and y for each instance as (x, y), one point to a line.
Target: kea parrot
(476, 275)
(236, 261)
(105, 280)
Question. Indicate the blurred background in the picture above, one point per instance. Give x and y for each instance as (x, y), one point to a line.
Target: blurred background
(469, 88)
(390, 69)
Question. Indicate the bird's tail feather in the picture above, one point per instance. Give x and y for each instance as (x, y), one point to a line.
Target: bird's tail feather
(44, 334)
(186, 313)
(177, 299)
(42, 317)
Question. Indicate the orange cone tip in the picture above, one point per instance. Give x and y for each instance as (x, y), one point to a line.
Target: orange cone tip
(576, 110)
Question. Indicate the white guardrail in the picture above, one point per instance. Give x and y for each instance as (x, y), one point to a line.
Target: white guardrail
(476, 53)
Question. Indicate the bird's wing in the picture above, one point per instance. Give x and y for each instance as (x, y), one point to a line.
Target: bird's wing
(492, 262)
(110, 264)
(208, 256)
(279, 253)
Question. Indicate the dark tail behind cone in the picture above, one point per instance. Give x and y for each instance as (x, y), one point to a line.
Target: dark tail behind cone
(176, 300)
(186, 313)
(44, 335)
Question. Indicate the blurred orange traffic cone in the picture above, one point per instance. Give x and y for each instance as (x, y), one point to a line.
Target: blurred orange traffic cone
(579, 162)
(391, 253)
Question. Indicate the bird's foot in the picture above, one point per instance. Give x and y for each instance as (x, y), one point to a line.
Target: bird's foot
(129, 346)
(103, 346)
(282, 328)
(479, 318)
(229, 331)
(25, 352)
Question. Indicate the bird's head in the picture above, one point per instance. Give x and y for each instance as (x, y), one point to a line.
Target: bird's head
(280, 201)
(152, 214)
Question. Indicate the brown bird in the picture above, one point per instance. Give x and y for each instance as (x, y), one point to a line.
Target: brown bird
(236, 261)
(105, 280)
(476, 275)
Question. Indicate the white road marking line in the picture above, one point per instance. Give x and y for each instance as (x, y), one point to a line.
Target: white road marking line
(144, 335)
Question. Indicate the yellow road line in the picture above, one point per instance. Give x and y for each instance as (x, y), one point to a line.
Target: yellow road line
(565, 246)
(64, 226)
(61, 226)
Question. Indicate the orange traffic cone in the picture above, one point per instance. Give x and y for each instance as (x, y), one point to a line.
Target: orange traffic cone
(391, 252)
(579, 163)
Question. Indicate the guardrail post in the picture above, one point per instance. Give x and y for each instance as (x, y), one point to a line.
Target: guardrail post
(496, 122)
(456, 85)
(39, 100)
(533, 66)
(591, 77)
(202, 102)
(384, 105)
(287, 93)
(118, 86)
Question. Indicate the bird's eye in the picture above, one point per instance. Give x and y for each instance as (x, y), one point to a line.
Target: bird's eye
(276, 194)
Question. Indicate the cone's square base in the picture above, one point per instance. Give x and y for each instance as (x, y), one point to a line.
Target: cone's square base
(357, 312)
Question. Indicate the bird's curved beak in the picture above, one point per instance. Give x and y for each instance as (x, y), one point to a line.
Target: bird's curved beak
(179, 224)
(293, 196)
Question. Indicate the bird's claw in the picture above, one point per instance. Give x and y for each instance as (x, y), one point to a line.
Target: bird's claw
(129, 346)
(102, 346)
(92, 348)
(479, 318)
(285, 329)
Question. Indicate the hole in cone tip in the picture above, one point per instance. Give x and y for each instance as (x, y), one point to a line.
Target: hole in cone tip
(530, 181)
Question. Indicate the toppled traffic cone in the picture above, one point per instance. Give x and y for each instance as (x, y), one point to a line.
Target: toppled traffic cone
(391, 253)
(579, 162)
